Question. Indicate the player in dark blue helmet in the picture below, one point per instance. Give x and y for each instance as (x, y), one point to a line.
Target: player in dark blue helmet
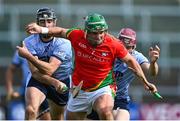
(49, 58)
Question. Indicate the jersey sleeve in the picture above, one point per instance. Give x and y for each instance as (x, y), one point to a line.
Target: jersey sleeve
(141, 58)
(121, 51)
(29, 46)
(16, 59)
(72, 34)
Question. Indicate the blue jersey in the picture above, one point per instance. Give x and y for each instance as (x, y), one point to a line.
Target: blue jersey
(22, 62)
(57, 47)
(124, 76)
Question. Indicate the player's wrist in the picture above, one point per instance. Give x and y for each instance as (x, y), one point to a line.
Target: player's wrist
(152, 62)
(44, 30)
(64, 88)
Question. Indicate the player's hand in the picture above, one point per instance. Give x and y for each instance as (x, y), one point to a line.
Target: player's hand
(13, 95)
(61, 88)
(150, 87)
(154, 54)
(23, 51)
(33, 28)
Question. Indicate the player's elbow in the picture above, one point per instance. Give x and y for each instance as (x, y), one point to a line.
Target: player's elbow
(49, 71)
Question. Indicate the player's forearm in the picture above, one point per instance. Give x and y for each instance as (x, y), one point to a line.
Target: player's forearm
(42, 66)
(45, 79)
(9, 86)
(153, 68)
(9, 78)
(54, 31)
(136, 68)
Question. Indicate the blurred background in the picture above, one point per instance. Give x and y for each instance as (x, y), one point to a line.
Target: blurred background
(155, 21)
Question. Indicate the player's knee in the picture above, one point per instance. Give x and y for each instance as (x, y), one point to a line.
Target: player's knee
(104, 113)
(30, 111)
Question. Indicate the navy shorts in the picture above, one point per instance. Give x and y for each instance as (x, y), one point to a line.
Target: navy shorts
(119, 103)
(44, 105)
(50, 91)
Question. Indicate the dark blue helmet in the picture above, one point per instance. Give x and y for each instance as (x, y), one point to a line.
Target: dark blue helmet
(45, 13)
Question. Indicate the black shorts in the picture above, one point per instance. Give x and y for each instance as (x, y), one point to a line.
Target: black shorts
(119, 103)
(50, 91)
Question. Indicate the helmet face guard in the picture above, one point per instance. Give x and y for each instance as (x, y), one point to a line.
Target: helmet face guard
(45, 14)
(95, 23)
(128, 37)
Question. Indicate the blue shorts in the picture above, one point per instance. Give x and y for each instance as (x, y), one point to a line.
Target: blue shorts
(44, 105)
(50, 91)
(119, 103)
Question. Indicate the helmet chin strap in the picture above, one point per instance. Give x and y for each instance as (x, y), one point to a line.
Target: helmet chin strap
(45, 37)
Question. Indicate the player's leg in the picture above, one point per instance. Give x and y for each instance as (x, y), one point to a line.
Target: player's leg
(44, 111)
(34, 96)
(104, 103)
(93, 116)
(57, 101)
(121, 114)
(121, 109)
(75, 115)
(78, 107)
(56, 111)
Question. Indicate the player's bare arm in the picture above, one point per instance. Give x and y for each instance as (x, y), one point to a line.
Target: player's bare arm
(152, 67)
(40, 70)
(33, 28)
(136, 68)
(9, 83)
(44, 67)
(46, 79)
(154, 54)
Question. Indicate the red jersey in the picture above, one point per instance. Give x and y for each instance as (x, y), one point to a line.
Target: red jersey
(93, 65)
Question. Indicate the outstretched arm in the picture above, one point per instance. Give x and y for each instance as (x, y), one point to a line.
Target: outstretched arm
(136, 68)
(154, 56)
(152, 67)
(9, 82)
(33, 28)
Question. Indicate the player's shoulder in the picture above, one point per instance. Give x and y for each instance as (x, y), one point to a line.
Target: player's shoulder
(113, 41)
(137, 54)
(75, 31)
(60, 41)
(111, 38)
(31, 38)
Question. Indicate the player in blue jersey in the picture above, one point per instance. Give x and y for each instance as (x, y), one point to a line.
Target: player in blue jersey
(18, 96)
(49, 58)
(124, 75)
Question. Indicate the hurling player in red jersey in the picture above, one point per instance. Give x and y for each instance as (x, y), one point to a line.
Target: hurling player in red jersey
(95, 52)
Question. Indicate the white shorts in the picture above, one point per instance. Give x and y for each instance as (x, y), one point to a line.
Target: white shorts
(85, 100)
